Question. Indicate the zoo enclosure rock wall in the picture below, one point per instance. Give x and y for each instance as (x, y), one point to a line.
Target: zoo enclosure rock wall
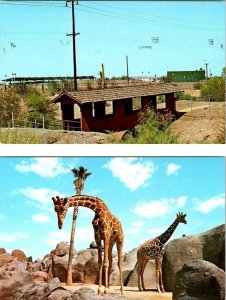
(209, 246)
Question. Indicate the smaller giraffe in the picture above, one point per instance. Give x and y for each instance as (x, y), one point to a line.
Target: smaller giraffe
(154, 249)
(106, 227)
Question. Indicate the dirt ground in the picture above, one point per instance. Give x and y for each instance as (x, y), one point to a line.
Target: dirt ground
(130, 292)
(199, 122)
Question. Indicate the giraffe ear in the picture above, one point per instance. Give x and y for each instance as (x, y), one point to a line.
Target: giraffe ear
(185, 215)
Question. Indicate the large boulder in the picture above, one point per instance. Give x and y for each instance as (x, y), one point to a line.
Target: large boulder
(62, 249)
(19, 255)
(12, 281)
(5, 259)
(199, 280)
(50, 291)
(208, 246)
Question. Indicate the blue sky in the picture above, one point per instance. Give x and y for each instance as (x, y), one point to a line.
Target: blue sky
(110, 30)
(145, 193)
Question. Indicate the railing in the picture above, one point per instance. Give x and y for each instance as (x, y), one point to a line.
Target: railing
(40, 123)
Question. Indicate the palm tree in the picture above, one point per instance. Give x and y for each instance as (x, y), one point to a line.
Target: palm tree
(80, 174)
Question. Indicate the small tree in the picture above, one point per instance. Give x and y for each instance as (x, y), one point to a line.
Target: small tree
(9, 103)
(213, 88)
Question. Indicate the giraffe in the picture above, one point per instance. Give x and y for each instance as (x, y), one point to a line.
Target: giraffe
(106, 227)
(154, 249)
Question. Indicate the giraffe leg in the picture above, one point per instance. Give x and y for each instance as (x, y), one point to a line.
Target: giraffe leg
(106, 264)
(138, 274)
(160, 279)
(110, 262)
(144, 263)
(100, 265)
(157, 267)
(119, 245)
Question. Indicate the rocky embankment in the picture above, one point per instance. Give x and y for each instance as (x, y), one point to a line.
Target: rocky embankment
(193, 268)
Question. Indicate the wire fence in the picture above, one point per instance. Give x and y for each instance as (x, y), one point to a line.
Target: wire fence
(39, 123)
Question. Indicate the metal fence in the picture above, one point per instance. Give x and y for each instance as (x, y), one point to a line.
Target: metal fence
(39, 123)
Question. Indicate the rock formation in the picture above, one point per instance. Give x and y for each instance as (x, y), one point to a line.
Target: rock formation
(208, 246)
(199, 280)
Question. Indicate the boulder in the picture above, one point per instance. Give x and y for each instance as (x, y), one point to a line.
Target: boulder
(199, 280)
(62, 249)
(208, 246)
(47, 291)
(60, 266)
(5, 259)
(2, 250)
(13, 281)
(19, 255)
(40, 276)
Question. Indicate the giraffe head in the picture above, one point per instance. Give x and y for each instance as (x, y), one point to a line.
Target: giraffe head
(181, 218)
(61, 208)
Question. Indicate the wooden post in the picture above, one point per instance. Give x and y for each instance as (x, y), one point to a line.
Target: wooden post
(12, 120)
(102, 77)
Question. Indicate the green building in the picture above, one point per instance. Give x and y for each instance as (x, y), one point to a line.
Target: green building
(186, 76)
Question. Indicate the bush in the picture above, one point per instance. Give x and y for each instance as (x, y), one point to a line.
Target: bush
(152, 129)
(9, 103)
(213, 88)
(197, 86)
(54, 87)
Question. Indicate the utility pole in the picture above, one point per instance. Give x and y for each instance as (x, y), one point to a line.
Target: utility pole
(74, 46)
(127, 69)
(206, 64)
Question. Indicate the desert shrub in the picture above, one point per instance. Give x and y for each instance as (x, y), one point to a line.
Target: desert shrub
(9, 103)
(183, 96)
(152, 129)
(54, 87)
(197, 85)
(213, 88)
(15, 136)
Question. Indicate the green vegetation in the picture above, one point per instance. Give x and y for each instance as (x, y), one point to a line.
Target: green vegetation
(214, 88)
(152, 129)
(183, 96)
(54, 87)
(15, 136)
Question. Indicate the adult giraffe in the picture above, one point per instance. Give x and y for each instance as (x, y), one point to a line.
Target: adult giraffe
(106, 227)
(154, 249)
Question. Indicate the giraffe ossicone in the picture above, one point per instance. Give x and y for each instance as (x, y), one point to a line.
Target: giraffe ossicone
(107, 228)
(154, 249)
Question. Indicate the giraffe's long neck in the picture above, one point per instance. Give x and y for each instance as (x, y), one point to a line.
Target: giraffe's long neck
(168, 233)
(95, 204)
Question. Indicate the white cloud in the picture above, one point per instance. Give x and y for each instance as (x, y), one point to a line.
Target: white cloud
(172, 169)
(13, 236)
(181, 201)
(131, 171)
(56, 237)
(138, 224)
(211, 204)
(40, 218)
(43, 166)
(134, 228)
(82, 234)
(42, 196)
(159, 208)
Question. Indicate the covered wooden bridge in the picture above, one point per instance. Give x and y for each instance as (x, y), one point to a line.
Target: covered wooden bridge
(114, 109)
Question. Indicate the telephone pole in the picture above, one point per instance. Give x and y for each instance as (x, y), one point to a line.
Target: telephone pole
(74, 45)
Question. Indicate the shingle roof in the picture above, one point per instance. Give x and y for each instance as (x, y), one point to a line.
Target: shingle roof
(118, 93)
